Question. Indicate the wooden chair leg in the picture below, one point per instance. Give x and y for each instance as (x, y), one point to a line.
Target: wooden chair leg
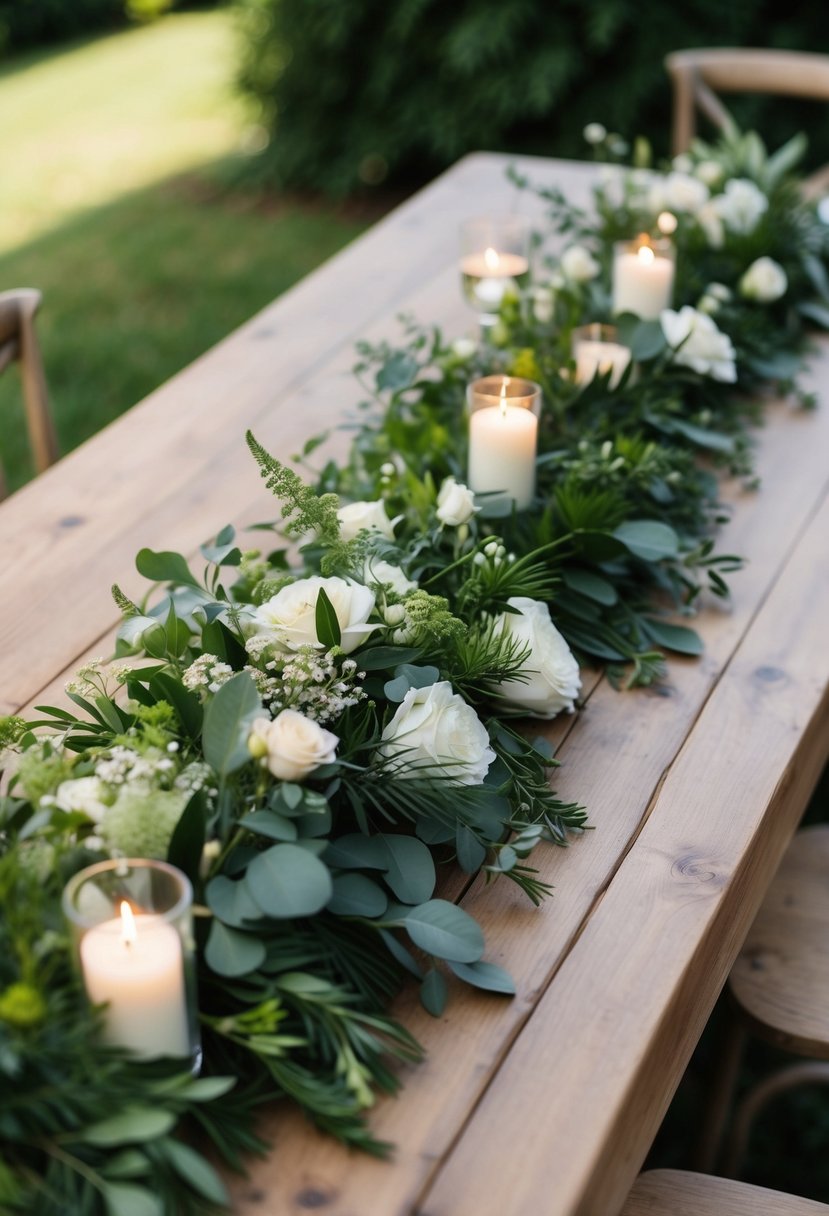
(721, 1095)
(38, 415)
(810, 1072)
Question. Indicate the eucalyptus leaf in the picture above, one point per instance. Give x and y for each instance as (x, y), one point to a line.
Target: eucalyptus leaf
(287, 881)
(675, 637)
(445, 931)
(409, 868)
(434, 992)
(471, 853)
(485, 975)
(356, 895)
(227, 722)
(591, 585)
(271, 825)
(356, 852)
(384, 658)
(231, 953)
(648, 539)
(165, 567)
(231, 902)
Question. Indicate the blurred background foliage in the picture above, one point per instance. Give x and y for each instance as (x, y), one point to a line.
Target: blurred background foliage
(365, 92)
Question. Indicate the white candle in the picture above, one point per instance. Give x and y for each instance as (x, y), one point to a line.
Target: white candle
(491, 275)
(594, 357)
(643, 281)
(139, 975)
(502, 449)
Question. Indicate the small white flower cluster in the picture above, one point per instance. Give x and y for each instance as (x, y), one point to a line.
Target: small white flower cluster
(122, 766)
(207, 673)
(321, 685)
(194, 777)
(89, 680)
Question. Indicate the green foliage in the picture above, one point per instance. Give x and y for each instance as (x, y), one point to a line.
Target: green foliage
(361, 93)
(302, 508)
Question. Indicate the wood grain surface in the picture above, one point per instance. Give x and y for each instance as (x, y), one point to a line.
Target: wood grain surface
(546, 1102)
(676, 1193)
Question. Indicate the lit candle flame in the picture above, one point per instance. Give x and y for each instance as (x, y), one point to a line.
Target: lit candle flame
(504, 385)
(129, 933)
(491, 258)
(646, 254)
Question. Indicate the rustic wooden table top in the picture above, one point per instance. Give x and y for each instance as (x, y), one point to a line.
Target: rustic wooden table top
(547, 1102)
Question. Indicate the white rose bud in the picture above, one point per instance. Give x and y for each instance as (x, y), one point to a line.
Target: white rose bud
(764, 281)
(595, 133)
(578, 264)
(394, 614)
(554, 681)
(456, 503)
(289, 618)
(435, 733)
(291, 746)
(354, 517)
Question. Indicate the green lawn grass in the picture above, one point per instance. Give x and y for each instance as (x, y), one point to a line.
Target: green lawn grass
(111, 203)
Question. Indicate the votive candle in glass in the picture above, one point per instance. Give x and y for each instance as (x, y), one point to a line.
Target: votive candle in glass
(132, 929)
(503, 437)
(643, 276)
(597, 352)
(495, 259)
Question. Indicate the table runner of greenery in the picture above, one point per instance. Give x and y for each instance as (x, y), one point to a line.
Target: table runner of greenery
(309, 735)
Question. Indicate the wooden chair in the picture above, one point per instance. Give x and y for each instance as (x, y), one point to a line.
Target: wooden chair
(780, 990)
(19, 341)
(677, 1193)
(696, 74)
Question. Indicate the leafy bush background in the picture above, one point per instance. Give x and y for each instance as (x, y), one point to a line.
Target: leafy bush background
(26, 23)
(365, 91)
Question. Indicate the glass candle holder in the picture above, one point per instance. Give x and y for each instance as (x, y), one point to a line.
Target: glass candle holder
(132, 930)
(503, 437)
(596, 352)
(643, 276)
(495, 259)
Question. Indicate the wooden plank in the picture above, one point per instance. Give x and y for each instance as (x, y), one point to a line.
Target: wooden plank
(615, 761)
(677, 1193)
(174, 469)
(633, 994)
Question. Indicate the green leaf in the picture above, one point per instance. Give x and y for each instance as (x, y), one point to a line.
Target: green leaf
(231, 953)
(269, 824)
(485, 975)
(382, 658)
(287, 880)
(647, 341)
(356, 895)
(227, 723)
(195, 1171)
(185, 703)
(356, 852)
(590, 585)
(187, 841)
(205, 1089)
(399, 952)
(713, 441)
(818, 313)
(133, 1125)
(125, 1199)
(328, 625)
(410, 869)
(471, 852)
(165, 567)
(128, 1164)
(648, 539)
(231, 902)
(675, 637)
(397, 372)
(434, 992)
(446, 931)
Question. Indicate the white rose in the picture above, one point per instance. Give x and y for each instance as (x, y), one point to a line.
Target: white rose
(456, 503)
(578, 264)
(356, 516)
(710, 221)
(542, 298)
(554, 680)
(698, 343)
(710, 172)
(87, 795)
(682, 163)
(741, 205)
(764, 281)
(385, 574)
(289, 617)
(291, 745)
(464, 348)
(677, 192)
(595, 133)
(434, 732)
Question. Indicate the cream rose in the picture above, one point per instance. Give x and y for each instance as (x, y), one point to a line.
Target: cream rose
(699, 344)
(291, 745)
(355, 517)
(289, 618)
(456, 503)
(87, 795)
(578, 264)
(741, 205)
(764, 281)
(435, 733)
(553, 681)
(677, 192)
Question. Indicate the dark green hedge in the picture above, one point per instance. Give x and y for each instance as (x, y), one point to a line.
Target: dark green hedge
(28, 23)
(360, 91)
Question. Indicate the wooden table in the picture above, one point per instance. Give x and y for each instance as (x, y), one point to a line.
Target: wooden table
(546, 1103)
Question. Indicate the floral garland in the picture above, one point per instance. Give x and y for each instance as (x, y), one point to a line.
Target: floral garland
(309, 743)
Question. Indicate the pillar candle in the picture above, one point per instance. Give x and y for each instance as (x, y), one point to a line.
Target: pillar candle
(643, 280)
(502, 450)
